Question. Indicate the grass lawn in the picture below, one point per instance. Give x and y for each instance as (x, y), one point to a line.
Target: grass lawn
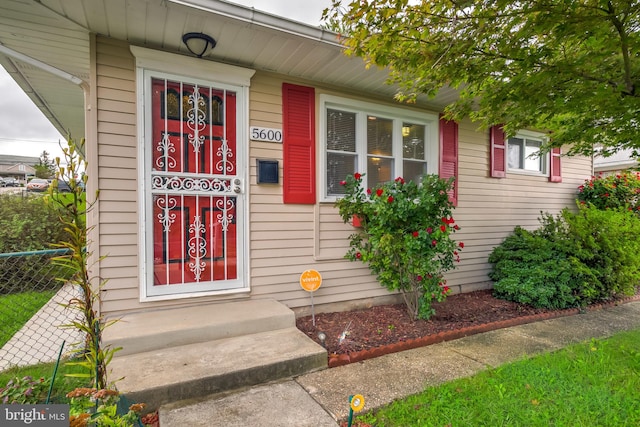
(596, 383)
(16, 309)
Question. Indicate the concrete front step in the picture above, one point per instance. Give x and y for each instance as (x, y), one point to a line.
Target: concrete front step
(154, 330)
(195, 370)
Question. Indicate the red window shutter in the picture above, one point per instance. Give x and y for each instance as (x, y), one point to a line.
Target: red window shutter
(449, 155)
(555, 170)
(299, 144)
(497, 152)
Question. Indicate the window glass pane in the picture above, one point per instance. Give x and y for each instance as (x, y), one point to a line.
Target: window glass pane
(379, 136)
(379, 170)
(341, 131)
(413, 171)
(532, 160)
(413, 141)
(338, 167)
(515, 153)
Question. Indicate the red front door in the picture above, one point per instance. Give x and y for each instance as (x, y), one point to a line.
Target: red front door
(196, 189)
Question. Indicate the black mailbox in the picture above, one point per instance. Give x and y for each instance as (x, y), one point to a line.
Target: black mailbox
(267, 171)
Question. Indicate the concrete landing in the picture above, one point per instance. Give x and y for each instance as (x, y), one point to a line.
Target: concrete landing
(153, 330)
(200, 369)
(190, 353)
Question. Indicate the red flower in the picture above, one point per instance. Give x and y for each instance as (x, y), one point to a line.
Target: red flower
(445, 220)
(390, 199)
(416, 234)
(357, 176)
(456, 227)
(434, 242)
(455, 252)
(461, 244)
(419, 278)
(445, 290)
(368, 191)
(343, 182)
(429, 230)
(400, 180)
(379, 192)
(443, 228)
(358, 255)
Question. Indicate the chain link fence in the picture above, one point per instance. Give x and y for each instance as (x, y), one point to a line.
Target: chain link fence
(32, 309)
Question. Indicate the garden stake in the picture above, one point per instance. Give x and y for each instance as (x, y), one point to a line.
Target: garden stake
(97, 356)
(356, 403)
(55, 371)
(344, 334)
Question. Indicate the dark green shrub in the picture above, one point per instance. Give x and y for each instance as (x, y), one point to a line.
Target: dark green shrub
(530, 269)
(28, 223)
(608, 243)
(572, 259)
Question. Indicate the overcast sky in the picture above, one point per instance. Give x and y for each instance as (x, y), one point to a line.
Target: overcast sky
(25, 131)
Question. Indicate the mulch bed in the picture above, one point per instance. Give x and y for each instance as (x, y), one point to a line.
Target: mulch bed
(385, 329)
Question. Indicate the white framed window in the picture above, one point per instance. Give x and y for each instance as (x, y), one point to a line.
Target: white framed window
(382, 142)
(523, 153)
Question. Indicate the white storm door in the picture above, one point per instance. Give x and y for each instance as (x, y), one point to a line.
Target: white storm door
(195, 189)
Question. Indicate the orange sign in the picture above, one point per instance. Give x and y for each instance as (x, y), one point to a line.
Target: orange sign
(310, 280)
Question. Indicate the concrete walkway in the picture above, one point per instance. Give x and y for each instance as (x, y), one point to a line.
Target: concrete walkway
(321, 398)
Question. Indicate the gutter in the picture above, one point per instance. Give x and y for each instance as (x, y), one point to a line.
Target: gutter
(43, 66)
(263, 19)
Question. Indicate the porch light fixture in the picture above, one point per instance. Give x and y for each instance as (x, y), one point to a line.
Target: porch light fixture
(198, 43)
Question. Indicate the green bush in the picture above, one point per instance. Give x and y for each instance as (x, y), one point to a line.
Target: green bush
(532, 270)
(608, 243)
(28, 223)
(573, 259)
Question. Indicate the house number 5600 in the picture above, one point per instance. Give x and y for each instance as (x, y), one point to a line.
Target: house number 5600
(265, 134)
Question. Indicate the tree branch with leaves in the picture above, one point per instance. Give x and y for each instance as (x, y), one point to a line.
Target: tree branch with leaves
(567, 67)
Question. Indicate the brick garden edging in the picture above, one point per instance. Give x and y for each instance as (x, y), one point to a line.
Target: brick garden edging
(336, 360)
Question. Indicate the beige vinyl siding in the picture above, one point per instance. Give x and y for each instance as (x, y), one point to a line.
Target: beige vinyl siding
(281, 236)
(117, 173)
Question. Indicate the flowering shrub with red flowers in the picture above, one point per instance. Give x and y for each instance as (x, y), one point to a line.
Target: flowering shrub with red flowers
(406, 236)
(612, 191)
